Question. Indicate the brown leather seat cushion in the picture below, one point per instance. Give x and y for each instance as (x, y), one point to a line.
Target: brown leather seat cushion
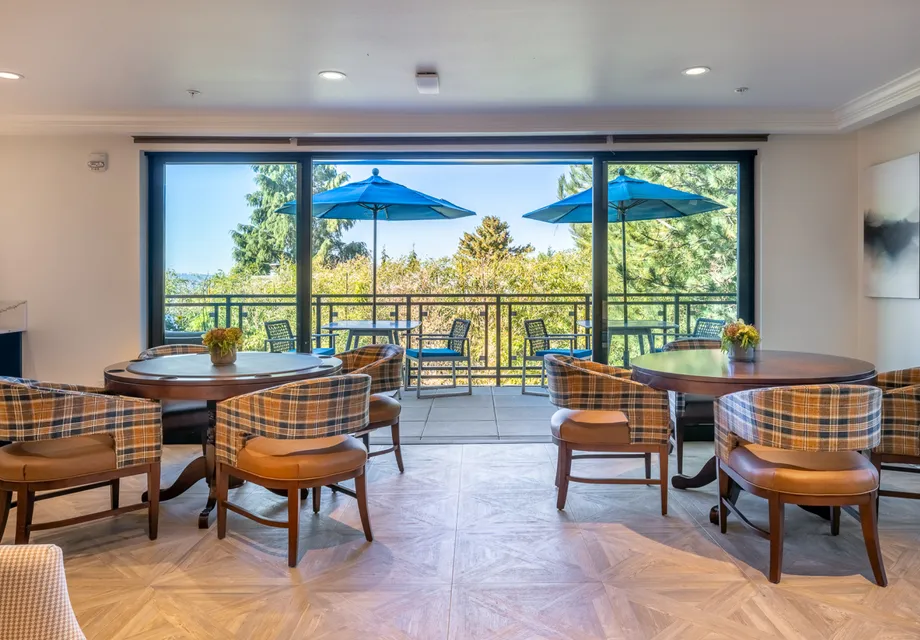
(804, 472)
(57, 459)
(590, 427)
(384, 410)
(301, 459)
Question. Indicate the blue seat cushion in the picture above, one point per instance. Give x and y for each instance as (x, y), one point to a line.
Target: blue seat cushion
(578, 353)
(323, 351)
(433, 353)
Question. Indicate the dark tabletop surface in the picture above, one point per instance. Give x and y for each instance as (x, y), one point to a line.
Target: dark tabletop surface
(770, 367)
(248, 363)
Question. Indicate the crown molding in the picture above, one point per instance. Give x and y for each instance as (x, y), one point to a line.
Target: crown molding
(344, 123)
(898, 95)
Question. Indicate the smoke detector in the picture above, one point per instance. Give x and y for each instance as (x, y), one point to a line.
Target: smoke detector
(427, 83)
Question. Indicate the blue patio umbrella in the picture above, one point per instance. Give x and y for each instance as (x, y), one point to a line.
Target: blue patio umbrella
(378, 199)
(628, 199)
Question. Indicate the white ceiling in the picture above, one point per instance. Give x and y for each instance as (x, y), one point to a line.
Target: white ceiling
(136, 58)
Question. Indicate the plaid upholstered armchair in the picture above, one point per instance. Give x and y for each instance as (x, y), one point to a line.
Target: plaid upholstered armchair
(184, 421)
(602, 410)
(801, 445)
(689, 409)
(66, 437)
(900, 442)
(293, 437)
(171, 350)
(383, 363)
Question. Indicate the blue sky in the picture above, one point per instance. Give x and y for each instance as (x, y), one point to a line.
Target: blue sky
(204, 202)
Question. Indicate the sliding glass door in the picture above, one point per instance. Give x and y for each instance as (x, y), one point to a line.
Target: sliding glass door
(672, 253)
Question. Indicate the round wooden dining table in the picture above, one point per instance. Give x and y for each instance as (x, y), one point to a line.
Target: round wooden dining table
(709, 372)
(193, 377)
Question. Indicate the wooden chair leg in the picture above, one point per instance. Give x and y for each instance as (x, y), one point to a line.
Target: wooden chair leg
(397, 450)
(114, 491)
(679, 438)
(293, 526)
(663, 477)
(648, 466)
(835, 521)
(153, 500)
(560, 462)
(868, 517)
(724, 482)
(6, 497)
(317, 498)
(877, 461)
(777, 531)
(23, 517)
(564, 474)
(361, 495)
(223, 489)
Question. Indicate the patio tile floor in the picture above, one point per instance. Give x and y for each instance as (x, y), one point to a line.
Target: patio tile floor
(491, 414)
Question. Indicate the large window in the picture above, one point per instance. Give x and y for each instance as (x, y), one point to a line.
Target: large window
(229, 246)
(229, 254)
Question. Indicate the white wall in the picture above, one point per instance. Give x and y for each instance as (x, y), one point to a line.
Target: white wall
(807, 256)
(71, 244)
(888, 327)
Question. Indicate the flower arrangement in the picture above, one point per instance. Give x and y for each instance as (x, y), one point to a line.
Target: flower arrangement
(739, 335)
(223, 342)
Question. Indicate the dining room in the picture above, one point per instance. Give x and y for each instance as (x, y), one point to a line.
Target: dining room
(278, 364)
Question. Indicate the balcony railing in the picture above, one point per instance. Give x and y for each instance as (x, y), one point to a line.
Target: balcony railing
(497, 320)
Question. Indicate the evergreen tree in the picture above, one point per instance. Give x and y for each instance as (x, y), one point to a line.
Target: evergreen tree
(490, 240)
(693, 253)
(270, 237)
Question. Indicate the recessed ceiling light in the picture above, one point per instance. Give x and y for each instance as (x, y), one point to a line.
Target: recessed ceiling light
(9, 75)
(331, 75)
(695, 71)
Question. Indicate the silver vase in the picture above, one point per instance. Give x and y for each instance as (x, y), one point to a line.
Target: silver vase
(737, 353)
(218, 359)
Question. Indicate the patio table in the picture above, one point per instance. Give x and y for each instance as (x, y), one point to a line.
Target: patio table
(640, 328)
(371, 328)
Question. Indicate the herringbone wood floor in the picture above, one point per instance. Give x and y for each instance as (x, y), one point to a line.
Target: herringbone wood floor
(469, 545)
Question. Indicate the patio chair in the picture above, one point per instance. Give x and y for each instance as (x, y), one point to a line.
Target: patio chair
(900, 443)
(603, 412)
(456, 350)
(290, 438)
(537, 345)
(34, 601)
(282, 340)
(689, 409)
(801, 445)
(68, 438)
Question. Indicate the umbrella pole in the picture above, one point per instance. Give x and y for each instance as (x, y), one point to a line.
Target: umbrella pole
(374, 275)
(625, 305)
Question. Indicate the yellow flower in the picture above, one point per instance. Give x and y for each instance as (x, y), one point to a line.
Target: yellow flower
(223, 340)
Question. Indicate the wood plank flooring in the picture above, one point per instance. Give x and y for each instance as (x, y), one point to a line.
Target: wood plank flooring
(469, 546)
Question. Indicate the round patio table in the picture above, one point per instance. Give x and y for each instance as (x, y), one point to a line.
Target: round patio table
(371, 328)
(709, 372)
(193, 377)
